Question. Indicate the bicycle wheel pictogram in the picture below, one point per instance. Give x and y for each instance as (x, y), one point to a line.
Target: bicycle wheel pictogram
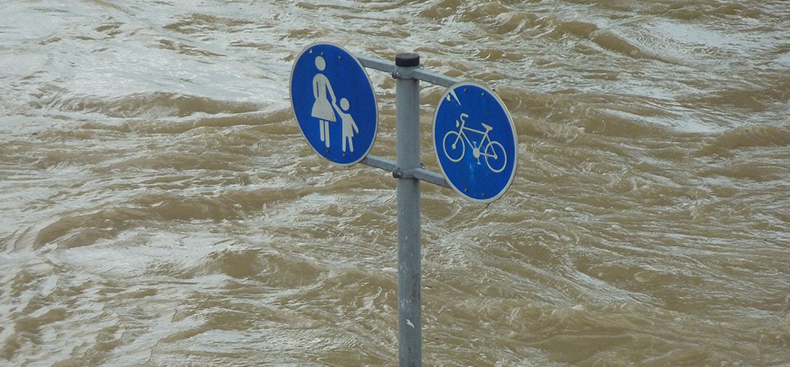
(453, 145)
(496, 158)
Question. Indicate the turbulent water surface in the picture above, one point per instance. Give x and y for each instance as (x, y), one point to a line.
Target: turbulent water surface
(161, 208)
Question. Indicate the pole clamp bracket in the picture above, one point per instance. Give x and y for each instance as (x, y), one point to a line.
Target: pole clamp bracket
(399, 173)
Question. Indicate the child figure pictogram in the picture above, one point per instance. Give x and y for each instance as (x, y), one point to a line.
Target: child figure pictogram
(349, 126)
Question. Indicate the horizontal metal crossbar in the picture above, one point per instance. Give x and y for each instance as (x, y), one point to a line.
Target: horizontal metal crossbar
(418, 173)
(406, 73)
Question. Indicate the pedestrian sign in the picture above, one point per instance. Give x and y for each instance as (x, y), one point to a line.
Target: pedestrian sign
(334, 103)
(475, 141)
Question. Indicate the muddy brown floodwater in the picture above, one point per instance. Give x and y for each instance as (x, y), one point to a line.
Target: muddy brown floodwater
(161, 208)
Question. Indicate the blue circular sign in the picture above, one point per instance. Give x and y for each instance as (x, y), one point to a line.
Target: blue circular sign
(334, 103)
(475, 142)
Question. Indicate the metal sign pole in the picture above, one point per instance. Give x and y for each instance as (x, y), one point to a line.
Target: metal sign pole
(323, 70)
(407, 94)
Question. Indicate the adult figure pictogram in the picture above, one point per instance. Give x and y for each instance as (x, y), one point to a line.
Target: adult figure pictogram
(322, 108)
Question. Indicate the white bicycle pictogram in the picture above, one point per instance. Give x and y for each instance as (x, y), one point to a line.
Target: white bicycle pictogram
(455, 147)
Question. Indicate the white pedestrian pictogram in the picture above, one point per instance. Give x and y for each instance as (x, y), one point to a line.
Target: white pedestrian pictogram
(324, 109)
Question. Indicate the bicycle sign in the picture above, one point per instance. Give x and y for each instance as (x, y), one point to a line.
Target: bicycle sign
(475, 142)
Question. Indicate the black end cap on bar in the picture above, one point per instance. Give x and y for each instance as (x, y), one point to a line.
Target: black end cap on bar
(407, 60)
